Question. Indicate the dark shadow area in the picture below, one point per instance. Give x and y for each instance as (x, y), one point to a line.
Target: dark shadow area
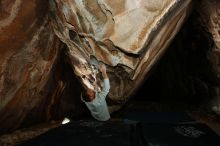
(184, 75)
(126, 133)
(64, 89)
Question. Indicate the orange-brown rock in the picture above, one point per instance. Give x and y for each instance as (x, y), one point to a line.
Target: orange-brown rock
(129, 36)
(36, 84)
(28, 51)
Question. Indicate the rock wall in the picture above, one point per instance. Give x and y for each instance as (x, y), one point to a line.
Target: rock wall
(184, 75)
(210, 18)
(28, 51)
(188, 74)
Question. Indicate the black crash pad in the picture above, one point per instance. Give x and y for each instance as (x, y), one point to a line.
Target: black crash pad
(89, 133)
(179, 135)
(94, 133)
(158, 117)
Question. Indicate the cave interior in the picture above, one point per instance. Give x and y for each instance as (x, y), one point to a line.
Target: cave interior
(182, 83)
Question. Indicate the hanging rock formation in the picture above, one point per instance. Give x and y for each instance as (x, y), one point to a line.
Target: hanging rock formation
(128, 36)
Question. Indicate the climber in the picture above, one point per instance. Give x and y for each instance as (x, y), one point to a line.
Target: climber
(95, 100)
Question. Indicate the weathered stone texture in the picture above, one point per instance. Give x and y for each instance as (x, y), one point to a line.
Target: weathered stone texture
(210, 14)
(129, 36)
(210, 17)
(28, 50)
(36, 82)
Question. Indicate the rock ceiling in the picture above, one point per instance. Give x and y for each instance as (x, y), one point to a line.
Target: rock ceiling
(128, 36)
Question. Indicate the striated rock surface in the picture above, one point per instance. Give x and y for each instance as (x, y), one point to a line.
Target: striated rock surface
(28, 51)
(128, 36)
(37, 80)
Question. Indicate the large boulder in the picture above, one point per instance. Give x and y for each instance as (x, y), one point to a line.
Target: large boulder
(29, 50)
(37, 80)
(128, 36)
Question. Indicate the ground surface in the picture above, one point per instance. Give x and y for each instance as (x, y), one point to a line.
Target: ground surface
(200, 114)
